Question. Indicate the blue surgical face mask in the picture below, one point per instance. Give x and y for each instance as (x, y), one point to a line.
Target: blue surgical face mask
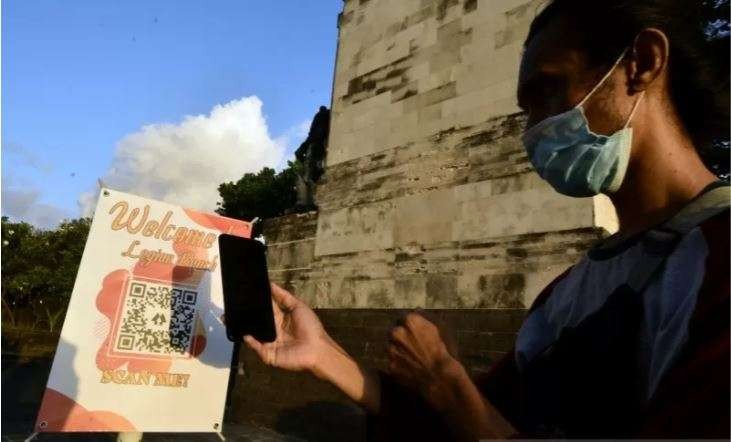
(573, 159)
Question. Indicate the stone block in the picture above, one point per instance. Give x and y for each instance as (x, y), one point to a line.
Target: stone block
(527, 211)
(441, 290)
(429, 113)
(366, 227)
(291, 255)
(424, 218)
(437, 94)
(410, 292)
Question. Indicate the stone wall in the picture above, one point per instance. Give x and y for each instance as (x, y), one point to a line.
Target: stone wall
(428, 199)
(408, 69)
(487, 243)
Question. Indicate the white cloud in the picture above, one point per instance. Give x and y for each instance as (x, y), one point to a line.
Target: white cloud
(22, 203)
(20, 197)
(24, 157)
(184, 163)
(292, 138)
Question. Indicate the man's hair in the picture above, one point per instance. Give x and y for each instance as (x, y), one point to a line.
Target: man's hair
(698, 74)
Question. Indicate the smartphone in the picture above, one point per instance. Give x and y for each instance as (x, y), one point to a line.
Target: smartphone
(247, 297)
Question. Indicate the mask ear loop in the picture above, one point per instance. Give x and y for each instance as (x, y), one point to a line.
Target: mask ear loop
(642, 93)
(604, 78)
(634, 108)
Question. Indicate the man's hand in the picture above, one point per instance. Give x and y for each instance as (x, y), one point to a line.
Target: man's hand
(303, 344)
(419, 357)
(301, 338)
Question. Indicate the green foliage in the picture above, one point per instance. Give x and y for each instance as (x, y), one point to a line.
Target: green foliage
(265, 194)
(38, 271)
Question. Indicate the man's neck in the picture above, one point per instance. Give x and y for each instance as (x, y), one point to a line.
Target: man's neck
(659, 182)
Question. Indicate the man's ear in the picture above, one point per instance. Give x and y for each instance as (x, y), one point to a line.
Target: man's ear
(650, 53)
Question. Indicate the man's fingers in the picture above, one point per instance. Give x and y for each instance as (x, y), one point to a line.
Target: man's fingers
(267, 352)
(400, 369)
(398, 335)
(283, 298)
(421, 318)
(278, 314)
(398, 353)
(253, 344)
(430, 316)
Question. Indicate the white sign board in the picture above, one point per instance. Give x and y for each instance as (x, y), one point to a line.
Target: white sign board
(142, 347)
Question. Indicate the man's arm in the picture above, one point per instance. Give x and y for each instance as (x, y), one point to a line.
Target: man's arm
(406, 415)
(488, 407)
(359, 383)
(419, 359)
(472, 415)
(450, 397)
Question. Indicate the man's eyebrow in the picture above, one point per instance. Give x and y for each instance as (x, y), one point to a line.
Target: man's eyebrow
(535, 83)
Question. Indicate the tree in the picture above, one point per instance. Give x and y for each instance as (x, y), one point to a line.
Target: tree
(716, 16)
(718, 30)
(38, 271)
(265, 194)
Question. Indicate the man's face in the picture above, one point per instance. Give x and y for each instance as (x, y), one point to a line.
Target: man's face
(554, 78)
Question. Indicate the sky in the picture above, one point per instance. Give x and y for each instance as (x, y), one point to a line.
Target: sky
(165, 99)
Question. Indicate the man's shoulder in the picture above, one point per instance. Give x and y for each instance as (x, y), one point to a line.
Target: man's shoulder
(715, 290)
(548, 290)
(700, 375)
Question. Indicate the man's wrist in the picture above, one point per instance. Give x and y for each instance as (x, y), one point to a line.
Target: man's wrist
(327, 361)
(450, 375)
(337, 367)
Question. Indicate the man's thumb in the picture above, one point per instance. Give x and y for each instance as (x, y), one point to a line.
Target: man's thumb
(254, 345)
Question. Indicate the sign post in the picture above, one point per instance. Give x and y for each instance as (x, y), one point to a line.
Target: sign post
(142, 347)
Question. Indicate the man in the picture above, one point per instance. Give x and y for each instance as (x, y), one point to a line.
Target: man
(632, 341)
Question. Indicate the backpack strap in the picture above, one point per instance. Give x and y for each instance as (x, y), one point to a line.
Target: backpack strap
(700, 209)
(659, 242)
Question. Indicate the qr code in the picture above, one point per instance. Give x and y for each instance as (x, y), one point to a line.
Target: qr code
(156, 319)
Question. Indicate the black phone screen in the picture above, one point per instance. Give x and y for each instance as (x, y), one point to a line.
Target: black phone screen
(247, 297)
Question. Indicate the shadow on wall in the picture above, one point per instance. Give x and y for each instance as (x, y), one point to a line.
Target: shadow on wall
(323, 421)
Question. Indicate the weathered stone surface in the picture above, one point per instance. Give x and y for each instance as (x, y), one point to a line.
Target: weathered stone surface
(428, 199)
(410, 69)
(478, 271)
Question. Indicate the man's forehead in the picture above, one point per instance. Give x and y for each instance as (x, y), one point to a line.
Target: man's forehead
(546, 53)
